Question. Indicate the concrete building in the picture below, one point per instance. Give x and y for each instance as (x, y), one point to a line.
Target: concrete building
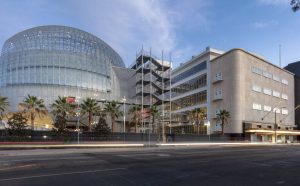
(190, 89)
(255, 92)
(246, 85)
(295, 68)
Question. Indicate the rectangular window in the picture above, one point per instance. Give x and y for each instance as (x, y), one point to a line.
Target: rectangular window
(256, 106)
(256, 88)
(285, 111)
(257, 70)
(267, 108)
(284, 96)
(284, 81)
(267, 91)
(267, 74)
(276, 94)
(276, 78)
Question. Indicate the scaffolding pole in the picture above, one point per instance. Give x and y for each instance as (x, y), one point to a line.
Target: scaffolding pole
(163, 98)
(151, 91)
(143, 124)
(170, 92)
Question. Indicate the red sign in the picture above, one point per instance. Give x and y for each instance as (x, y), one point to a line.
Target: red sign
(70, 99)
(145, 113)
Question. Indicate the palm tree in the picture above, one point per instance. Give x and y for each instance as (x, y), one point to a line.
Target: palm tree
(91, 107)
(154, 112)
(61, 108)
(4, 104)
(135, 110)
(33, 106)
(223, 116)
(199, 115)
(113, 109)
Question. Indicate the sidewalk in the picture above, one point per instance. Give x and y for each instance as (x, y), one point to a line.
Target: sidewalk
(41, 145)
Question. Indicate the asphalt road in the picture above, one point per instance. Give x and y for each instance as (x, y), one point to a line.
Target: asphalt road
(215, 165)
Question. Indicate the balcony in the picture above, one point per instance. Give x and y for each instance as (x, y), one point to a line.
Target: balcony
(218, 97)
(217, 78)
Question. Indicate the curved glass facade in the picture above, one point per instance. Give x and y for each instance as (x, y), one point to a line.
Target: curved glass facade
(57, 56)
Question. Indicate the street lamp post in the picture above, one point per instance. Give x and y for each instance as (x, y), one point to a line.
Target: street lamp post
(124, 117)
(77, 114)
(207, 124)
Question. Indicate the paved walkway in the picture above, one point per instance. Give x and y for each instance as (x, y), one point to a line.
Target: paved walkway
(21, 146)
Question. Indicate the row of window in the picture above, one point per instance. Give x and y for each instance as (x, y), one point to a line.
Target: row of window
(267, 108)
(269, 92)
(201, 66)
(191, 100)
(269, 75)
(190, 85)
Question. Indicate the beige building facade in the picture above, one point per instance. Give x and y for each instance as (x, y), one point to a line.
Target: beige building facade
(256, 93)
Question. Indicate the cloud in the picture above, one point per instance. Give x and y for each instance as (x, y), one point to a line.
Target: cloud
(264, 24)
(129, 25)
(124, 25)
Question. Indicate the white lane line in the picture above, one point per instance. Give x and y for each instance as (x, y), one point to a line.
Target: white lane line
(17, 167)
(148, 154)
(46, 159)
(60, 174)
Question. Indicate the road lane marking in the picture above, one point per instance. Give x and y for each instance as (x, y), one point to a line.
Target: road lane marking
(60, 174)
(16, 167)
(46, 159)
(148, 154)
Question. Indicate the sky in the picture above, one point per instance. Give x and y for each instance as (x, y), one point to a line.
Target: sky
(182, 28)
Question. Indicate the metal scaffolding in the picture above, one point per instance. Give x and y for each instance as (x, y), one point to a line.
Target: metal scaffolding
(153, 84)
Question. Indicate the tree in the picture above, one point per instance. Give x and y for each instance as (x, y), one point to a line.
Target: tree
(135, 110)
(102, 127)
(90, 107)
(4, 104)
(154, 112)
(295, 5)
(199, 115)
(60, 109)
(223, 116)
(113, 109)
(17, 124)
(33, 106)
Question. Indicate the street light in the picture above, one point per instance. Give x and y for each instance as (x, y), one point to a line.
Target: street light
(124, 117)
(207, 124)
(77, 114)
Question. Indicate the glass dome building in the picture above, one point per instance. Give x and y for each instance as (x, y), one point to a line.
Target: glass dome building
(48, 61)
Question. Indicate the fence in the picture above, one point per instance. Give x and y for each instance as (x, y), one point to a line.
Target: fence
(71, 137)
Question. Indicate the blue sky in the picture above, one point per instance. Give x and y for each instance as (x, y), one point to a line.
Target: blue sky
(184, 28)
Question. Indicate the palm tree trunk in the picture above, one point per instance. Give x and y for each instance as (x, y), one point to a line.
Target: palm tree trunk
(112, 123)
(32, 117)
(90, 120)
(222, 127)
(135, 126)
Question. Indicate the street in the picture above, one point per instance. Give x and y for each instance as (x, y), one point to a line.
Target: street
(206, 165)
